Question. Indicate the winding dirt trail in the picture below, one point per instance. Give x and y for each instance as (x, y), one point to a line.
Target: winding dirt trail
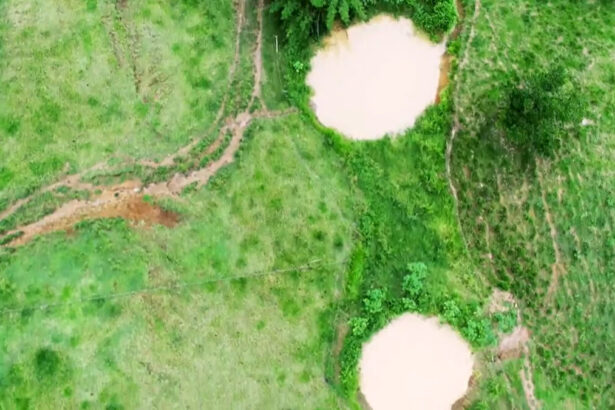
(126, 199)
(557, 268)
(456, 115)
(516, 344)
(257, 58)
(74, 181)
(520, 337)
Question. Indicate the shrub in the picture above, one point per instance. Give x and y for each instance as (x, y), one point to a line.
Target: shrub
(374, 302)
(451, 312)
(358, 325)
(46, 363)
(414, 282)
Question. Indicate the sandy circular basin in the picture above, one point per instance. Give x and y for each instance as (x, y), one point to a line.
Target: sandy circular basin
(374, 78)
(415, 363)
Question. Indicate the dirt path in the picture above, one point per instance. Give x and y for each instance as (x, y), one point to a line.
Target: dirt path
(557, 268)
(185, 150)
(456, 114)
(516, 344)
(258, 58)
(125, 199)
(519, 339)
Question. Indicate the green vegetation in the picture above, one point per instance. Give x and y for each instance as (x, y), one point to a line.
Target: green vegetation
(84, 81)
(290, 258)
(401, 182)
(303, 20)
(161, 317)
(542, 226)
(536, 113)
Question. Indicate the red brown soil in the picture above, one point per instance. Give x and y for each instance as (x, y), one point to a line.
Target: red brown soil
(516, 344)
(445, 69)
(447, 60)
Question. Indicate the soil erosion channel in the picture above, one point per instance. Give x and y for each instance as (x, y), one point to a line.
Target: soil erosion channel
(125, 199)
(375, 78)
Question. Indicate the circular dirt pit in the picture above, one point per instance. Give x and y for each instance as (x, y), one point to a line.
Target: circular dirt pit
(415, 363)
(375, 78)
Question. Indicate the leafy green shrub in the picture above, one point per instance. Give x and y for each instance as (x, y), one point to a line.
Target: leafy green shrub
(451, 312)
(506, 321)
(358, 325)
(46, 363)
(374, 302)
(414, 282)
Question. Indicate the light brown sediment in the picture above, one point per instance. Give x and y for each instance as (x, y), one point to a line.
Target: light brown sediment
(374, 78)
(515, 344)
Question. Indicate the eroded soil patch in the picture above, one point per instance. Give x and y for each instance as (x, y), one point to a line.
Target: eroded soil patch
(133, 209)
(126, 199)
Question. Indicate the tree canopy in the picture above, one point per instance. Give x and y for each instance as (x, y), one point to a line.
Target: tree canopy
(306, 18)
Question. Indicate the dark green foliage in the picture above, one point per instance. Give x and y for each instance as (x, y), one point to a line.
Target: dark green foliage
(46, 363)
(306, 21)
(303, 19)
(540, 111)
(534, 113)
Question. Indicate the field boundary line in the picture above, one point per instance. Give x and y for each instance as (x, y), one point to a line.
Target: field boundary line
(305, 267)
(456, 123)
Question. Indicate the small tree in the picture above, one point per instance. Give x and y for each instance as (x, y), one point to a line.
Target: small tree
(540, 111)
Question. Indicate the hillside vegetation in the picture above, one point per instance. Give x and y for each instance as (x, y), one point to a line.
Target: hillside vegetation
(536, 194)
(272, 275)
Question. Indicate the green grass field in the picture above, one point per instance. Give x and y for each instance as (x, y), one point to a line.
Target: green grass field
(217, 334)
(87, 81)
(252, 300)
(553, 210)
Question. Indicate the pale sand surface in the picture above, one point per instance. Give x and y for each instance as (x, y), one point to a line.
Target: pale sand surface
(415, 363)
(375, 78)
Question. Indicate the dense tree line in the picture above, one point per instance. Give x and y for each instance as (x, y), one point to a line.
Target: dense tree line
(303, 19)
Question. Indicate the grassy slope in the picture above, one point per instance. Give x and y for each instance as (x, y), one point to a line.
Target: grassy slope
(251, 343)
(83, 81)
(268, 337)
(505, 207)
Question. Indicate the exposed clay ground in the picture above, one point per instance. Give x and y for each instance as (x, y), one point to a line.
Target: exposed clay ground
(125, 199)
(415, 362)
(374, 78)
(516, 344)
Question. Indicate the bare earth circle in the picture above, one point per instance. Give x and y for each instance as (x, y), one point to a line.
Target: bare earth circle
(415, 363)
(374, 78)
